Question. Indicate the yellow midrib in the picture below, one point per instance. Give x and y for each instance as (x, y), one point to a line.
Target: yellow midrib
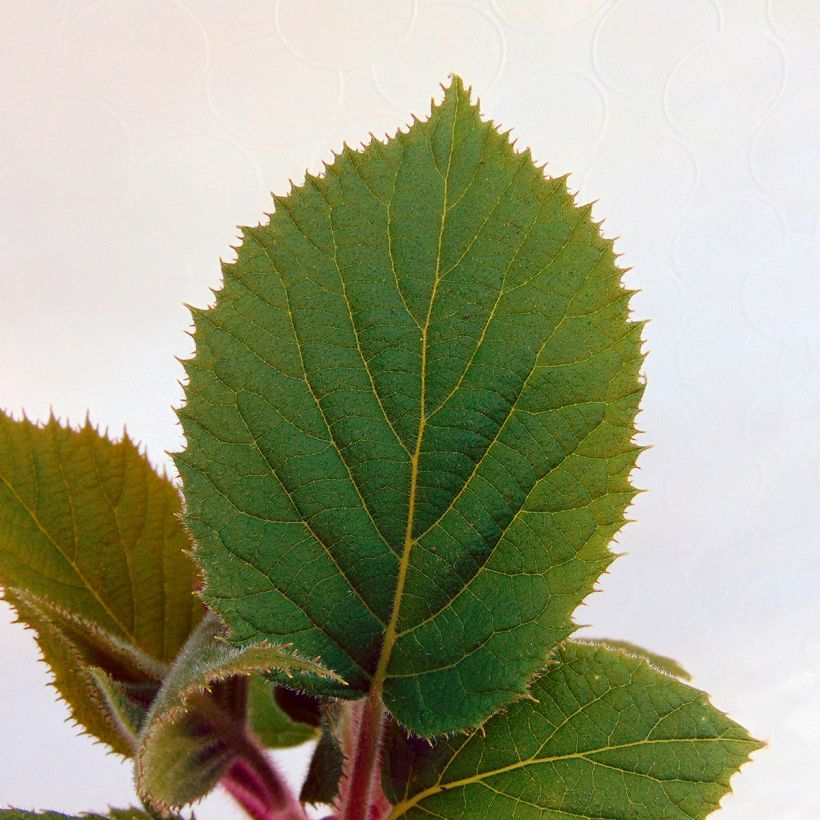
(401, 808)
(377, 682)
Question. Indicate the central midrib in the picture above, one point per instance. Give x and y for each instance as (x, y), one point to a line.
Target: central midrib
(390, 634)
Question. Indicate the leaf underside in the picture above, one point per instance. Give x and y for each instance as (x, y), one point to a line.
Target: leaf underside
(190, 734)
(409, 420)
(92, 557)
(609, 736)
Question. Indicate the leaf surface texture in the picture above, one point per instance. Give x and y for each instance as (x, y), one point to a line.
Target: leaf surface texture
(92, 556)
(409, 420)
(607, 737)
(195, 726)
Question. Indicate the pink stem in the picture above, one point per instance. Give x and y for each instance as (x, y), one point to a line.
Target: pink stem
(236, 785)
(263, 795)
(361, 782)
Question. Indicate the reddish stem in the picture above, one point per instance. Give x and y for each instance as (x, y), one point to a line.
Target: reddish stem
(254, 794)
(236, 784)
(361, 787)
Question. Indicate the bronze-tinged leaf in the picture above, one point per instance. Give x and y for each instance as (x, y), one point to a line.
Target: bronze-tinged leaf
(196, 724)
(93, 557)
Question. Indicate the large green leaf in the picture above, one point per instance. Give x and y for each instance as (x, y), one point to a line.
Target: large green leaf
(607, 736)
(409, 419)
(195, 727)
(92, 557)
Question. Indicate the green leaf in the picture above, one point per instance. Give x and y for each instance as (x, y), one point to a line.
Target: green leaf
(96, 645)
(322, 781)
(660, 662)
(92, 557)
(195, 726)
(127, 713)
(607, 736)
(87, 524)
(409, 420)
(84, 658)
(271, 725)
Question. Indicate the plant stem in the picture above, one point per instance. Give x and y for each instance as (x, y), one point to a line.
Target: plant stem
(236, 783)
(252, 779)
(358, 791)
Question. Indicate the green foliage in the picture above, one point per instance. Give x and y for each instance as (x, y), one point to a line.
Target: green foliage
(194, 728)
(271, 724)
(325, 771)
(92, 557)
(602, 735)
(660, 662)
(88, 525)
(409, 430)
(409, 420)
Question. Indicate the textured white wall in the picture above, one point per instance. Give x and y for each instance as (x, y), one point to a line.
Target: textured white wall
(134, 136)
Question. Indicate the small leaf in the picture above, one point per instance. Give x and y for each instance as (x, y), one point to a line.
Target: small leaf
(96, 645)
(271, 725)
(607, 736)
(196, 724)
(126, 712)
(409, 420)
(660, 662)
(76, 649)
(322, 782)
(92, 556)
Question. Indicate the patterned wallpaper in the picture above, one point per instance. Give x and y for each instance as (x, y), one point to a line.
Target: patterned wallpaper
(134, 136)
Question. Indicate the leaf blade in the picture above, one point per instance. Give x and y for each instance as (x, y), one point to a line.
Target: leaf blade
(661, 662)
(271, 725)
(608, 736)
(195, 728)
(76, 650)
(419, 380)
(87, 524)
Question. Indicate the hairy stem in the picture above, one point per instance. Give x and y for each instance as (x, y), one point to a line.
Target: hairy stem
(361, 785)
(242, 784)
(252, 779)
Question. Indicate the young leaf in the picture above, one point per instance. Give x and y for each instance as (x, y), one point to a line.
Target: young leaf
(409, 420)
(322, 781)
(195, 726)
(96, 646)
(127, 713)
(607, 736)
(87, 524)
(79, 653)
(92, 557)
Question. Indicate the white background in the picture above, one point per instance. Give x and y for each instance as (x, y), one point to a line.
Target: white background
(135, 134)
